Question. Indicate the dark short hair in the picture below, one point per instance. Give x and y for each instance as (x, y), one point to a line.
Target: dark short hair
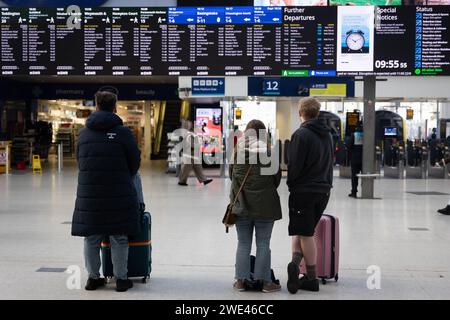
(259, 127)
(106, 101)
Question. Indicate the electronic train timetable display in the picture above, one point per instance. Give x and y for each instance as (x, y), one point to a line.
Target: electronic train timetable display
(125, 41)
(13, 40)
(252, 41)
(153, 42)
(230, 41)
(69, 42)
(97, 28)
(236, 41)
(267, 51)
(309, 41)
(41, 41)
(179, 45)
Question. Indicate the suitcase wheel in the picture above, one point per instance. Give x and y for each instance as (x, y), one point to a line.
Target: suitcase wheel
(336, 277)
(145, 279)
(324, 281)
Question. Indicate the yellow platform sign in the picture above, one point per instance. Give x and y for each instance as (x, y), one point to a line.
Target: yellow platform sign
(329, 90)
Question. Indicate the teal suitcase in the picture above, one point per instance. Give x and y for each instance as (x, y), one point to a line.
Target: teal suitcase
(139, 254)
(140, 250)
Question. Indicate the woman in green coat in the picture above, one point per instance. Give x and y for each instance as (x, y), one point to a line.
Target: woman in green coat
(257, 206)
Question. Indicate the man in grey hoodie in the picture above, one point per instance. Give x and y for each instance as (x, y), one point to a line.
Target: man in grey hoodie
(310, 179)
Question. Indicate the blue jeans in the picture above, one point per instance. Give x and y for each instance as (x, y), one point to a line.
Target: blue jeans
(119, 255)
(244, 228)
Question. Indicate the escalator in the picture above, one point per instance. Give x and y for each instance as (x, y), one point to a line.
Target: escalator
(170, 113)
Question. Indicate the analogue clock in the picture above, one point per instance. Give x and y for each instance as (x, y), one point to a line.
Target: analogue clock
(355, 40)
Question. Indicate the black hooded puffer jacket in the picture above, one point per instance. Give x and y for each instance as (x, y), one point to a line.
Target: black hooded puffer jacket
(108, 157)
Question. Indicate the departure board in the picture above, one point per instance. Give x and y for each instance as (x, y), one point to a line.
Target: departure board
(309, 41)
(14, 41)
(226, 41)
(97, 29)
(152, 48)
(125, 41)
(69, 42)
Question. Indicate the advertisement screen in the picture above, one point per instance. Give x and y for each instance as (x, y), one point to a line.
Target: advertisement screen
(208, 125)
(390, 131)
(286, 3)
(355, 44)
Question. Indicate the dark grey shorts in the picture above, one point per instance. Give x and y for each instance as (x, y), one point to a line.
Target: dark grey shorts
(305, 211)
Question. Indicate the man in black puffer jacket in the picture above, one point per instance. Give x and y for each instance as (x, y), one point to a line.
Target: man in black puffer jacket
(310, 179)
(106, 204)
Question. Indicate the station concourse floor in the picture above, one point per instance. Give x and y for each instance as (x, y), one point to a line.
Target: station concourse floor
(193, 257)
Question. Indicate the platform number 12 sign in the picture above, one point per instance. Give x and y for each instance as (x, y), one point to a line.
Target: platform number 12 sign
(271, 87)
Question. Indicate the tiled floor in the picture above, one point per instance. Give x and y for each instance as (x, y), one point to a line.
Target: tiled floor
(193, 256)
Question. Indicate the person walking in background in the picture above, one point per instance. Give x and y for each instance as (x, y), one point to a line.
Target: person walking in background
(257, 207)
(310, 179)
(106, 203)
(356, 157)
(191, 158)
(433, 135)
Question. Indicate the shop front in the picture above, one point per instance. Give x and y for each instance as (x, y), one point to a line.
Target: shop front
(50, 116)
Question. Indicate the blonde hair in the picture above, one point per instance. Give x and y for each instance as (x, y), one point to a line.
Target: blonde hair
(309, 108)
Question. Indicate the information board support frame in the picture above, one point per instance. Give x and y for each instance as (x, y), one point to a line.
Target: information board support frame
(367, 185)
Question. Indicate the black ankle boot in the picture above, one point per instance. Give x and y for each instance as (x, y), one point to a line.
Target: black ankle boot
(308, 285)
(94, 284)
(123, 285)
(445, 211)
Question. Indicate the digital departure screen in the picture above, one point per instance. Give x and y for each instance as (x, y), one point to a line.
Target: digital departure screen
(309, 41)
(226, 41)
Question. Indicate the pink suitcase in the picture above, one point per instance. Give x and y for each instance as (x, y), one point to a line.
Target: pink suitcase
(327, 243)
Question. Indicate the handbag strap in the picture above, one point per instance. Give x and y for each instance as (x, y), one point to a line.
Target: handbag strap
(242, 186)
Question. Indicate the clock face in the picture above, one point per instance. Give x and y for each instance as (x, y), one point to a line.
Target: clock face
(355, 41)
